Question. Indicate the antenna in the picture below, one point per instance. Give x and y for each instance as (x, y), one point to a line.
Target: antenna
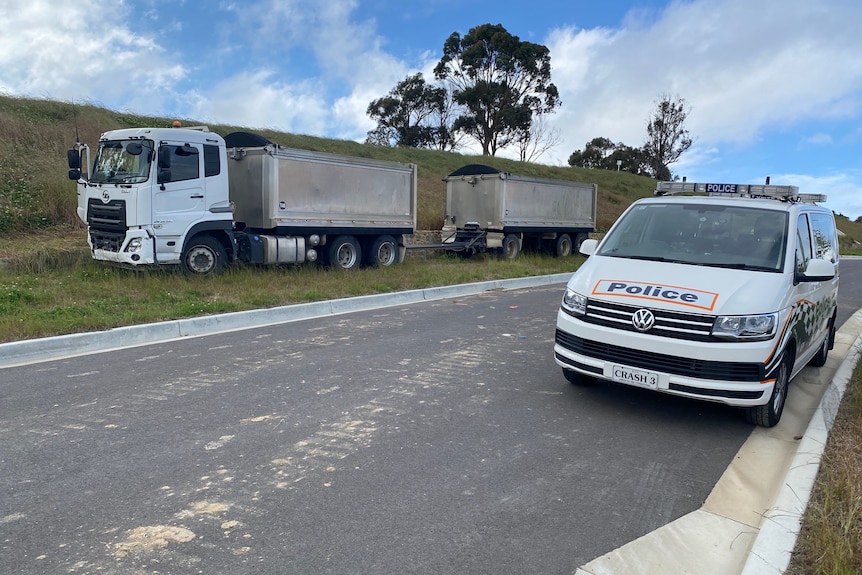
(75, 115)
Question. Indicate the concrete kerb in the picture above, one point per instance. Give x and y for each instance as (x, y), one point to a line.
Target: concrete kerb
(50, 348)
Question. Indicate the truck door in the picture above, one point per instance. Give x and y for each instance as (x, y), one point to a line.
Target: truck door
(178, 198)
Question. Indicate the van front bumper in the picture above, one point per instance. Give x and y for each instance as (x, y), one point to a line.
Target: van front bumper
(735, 383)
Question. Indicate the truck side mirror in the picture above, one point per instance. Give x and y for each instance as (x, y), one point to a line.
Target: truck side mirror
(164, 158)
(164, 175)
(74, 158)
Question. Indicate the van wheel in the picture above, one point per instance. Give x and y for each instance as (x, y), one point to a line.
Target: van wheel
(204, 255)
(768, 415)
(563, 247)
(511, 247)
(819, 359)
(345, 253)
(577, 378)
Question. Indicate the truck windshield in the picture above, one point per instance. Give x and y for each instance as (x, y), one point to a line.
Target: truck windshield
(123, 162)
(701, 234)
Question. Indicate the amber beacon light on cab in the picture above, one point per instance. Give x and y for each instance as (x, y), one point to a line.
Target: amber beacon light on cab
(718, 292)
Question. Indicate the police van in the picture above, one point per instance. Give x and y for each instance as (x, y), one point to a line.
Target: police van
(718, 292)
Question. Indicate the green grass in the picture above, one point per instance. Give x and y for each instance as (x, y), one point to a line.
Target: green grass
(51, 291)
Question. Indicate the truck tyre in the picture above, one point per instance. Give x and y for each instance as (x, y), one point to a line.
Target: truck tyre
(204, 255)
(383, 252)
(511, 247)
(768, 415)
(563, 247)
(345, 253)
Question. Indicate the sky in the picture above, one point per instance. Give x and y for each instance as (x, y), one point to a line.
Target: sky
(773, 87)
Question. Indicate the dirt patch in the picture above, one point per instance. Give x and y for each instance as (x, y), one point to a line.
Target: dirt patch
(151, 538)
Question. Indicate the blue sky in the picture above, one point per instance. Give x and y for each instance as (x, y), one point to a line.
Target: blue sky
(774, 86)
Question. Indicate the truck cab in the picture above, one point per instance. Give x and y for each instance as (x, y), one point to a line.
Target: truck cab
(149, 191)
(716, 292)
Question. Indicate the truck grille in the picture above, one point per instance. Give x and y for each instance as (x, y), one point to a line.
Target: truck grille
(690, 326)
(684, 366)
(109, 217)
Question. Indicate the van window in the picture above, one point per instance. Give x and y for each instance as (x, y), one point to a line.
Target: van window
(824, 237)
(803, 243)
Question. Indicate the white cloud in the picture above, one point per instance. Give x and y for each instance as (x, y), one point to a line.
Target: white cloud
(743, 67)
(81, 50)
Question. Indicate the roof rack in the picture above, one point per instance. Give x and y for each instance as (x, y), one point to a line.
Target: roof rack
(784, 193)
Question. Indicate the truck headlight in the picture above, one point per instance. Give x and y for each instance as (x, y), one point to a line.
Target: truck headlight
(575, 302)
(747, 327)
(135, 245)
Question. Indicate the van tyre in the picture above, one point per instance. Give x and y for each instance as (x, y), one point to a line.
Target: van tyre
(819, 359)
(383, 252)
(563, 246)
(768, 415)
(344, 252)
(204, 255)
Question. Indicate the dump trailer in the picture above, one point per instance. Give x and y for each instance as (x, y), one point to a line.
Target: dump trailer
(487, 209)
(188, 197)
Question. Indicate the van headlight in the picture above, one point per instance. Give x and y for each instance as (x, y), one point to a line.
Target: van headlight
(575, 302)
(748, 327)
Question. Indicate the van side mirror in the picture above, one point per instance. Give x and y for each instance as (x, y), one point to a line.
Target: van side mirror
(588, 247)
(818, 270)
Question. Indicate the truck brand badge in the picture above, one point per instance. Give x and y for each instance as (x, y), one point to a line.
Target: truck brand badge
(106, 197)
(643, 320)
(676, 295)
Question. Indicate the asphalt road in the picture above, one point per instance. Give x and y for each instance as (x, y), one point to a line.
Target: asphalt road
(430, 438)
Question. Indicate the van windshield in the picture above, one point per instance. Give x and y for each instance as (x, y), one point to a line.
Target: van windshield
(701, 234)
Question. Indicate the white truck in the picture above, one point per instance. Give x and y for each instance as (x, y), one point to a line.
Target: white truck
(188, 197)
(717, 292)
(487, 209)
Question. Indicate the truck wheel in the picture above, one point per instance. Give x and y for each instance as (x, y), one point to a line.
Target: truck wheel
(383, 252)
(769, 414)
(563, 247)
(511, 247)
(204, 255)
(345, 253)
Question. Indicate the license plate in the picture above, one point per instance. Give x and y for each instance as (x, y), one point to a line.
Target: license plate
(640, 378)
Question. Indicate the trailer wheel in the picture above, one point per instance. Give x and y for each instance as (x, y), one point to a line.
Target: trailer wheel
(345, 252)
(769, 414)
(383, 252)
(511, 247)
(204, 255)
(563, 247)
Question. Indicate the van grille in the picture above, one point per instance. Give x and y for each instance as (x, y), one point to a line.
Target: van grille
(689, 326)
(684, 366)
